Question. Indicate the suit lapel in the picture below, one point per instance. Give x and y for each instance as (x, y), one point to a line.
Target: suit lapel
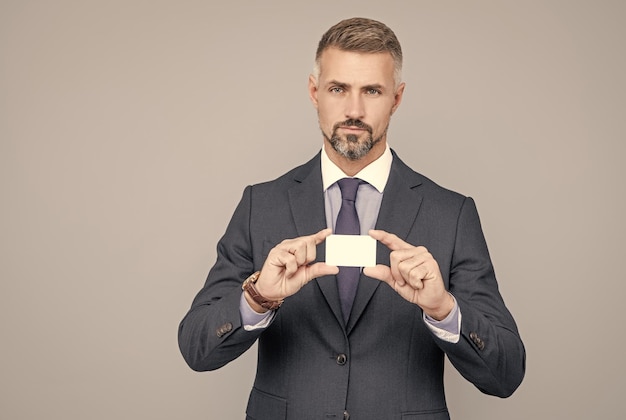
(401, 203)
(398, 212)
(306, 199)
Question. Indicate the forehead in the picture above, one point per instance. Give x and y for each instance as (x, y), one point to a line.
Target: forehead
(355, 67)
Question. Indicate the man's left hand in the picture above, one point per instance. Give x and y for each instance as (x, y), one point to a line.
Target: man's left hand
(413, 274)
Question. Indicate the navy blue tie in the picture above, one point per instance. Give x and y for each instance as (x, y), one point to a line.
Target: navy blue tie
(348, 224)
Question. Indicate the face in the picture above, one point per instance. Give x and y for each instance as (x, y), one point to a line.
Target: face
(355, 96)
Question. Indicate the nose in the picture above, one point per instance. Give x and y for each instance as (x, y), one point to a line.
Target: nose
(355, 108)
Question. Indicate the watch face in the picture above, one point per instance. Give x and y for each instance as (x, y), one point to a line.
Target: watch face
(252, 279)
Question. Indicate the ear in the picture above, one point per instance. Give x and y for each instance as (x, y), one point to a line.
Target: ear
(313, 90)
(397, 99)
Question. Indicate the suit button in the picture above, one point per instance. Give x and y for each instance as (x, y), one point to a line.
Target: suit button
(341, 359)
(477, 340)
(224, 329)
(346, 415)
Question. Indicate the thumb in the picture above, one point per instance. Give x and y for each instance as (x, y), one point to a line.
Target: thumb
(380, 272)
(320, 269)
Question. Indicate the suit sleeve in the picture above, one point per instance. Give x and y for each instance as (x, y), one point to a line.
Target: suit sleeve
(490, 352)
(211, 333)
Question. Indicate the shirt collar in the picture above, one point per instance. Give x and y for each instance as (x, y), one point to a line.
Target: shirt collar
(375, 174)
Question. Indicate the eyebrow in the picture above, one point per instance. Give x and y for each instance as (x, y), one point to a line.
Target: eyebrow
(346, 85)
(374, 86)
(337, 83)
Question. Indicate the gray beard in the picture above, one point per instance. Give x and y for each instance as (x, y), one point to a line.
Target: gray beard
(350, 147)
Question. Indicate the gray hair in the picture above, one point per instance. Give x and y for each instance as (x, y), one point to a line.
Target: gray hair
(361, 35)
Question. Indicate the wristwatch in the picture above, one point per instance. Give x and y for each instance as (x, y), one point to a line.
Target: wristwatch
(248, 286)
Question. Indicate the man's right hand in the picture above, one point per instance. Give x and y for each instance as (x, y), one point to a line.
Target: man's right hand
(287, 267)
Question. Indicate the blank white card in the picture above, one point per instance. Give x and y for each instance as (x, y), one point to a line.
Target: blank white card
(351, 250)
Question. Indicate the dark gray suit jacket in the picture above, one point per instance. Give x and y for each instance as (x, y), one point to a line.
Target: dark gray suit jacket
(385, 363)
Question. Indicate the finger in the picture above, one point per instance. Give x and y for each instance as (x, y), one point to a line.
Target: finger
(311, 249)
(403, 260)
(308, 245)
(383, 273)
(320, 269)
(320, 236)
(415, 277)
(406, 267)
(391, 241)
(380, 272)
(312, 241)
(288, 261)
(296, 247)
(300, 248)
(394, 265)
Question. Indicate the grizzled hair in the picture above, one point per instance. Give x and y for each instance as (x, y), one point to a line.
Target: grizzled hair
(361, 35)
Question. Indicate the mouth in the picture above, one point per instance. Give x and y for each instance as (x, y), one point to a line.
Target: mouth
(352, 128)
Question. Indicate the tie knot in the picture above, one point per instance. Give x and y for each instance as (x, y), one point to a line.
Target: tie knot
(349, 187)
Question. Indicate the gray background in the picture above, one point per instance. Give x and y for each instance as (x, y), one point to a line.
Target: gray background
(130, 128)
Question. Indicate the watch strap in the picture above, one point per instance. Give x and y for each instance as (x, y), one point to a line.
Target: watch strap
(248, 286)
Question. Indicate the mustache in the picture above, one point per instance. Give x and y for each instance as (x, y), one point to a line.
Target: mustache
(353, 123)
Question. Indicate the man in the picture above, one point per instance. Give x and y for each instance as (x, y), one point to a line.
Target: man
(326, 350)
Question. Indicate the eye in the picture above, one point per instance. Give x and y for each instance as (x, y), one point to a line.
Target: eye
(373, 92)
(336, 89)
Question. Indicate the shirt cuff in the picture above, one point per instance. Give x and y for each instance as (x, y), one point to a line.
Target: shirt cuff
(252, 320)
(449, 328)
